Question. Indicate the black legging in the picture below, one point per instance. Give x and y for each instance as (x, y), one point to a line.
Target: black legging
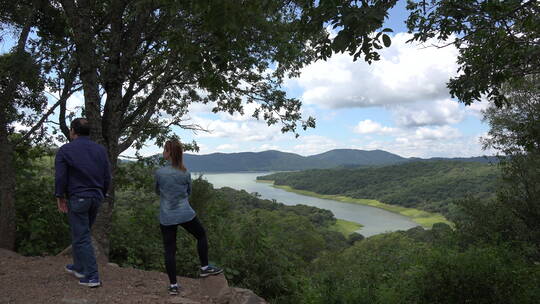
(195, 228)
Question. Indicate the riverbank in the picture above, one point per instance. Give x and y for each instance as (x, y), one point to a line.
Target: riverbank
(423, 218)
(346, 227)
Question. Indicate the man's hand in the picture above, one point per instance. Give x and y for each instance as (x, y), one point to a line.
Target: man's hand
(62, 204)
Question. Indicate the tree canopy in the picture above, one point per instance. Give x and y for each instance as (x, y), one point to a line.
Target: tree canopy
(141, 63)
(498, 42)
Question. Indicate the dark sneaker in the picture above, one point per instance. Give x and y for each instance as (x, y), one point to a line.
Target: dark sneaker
(90, 282)
(173, 290)
(71, 269)
(211, 270)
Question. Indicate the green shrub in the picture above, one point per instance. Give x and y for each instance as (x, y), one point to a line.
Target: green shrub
(41, 228)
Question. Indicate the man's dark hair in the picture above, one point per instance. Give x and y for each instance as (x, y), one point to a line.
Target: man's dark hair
(80, 126)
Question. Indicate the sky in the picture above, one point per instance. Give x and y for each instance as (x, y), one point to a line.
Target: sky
(399, 104)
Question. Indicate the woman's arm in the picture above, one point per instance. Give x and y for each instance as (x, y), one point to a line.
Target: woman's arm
(156, 178)
(189, 185)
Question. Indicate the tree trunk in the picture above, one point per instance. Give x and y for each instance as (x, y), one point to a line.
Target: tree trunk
(7, 187)
(105, 127)
(103, 225)
(78, 16)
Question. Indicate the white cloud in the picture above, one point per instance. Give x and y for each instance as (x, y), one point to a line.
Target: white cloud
(200, 108)
(476, 109)
(412, 145)
(19, 127)
(439, 112)
(229, 147)
(242, 131)
(75, 102)
(437, 133)
(444, 141)
(406, 73)
(314, 144)
(368, 127)
(266, 147)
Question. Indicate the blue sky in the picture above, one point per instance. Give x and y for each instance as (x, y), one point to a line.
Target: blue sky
(399, 104)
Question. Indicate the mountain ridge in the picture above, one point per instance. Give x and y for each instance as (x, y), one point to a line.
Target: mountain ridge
(274, 160)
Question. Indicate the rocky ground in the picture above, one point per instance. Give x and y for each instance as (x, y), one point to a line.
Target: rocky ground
(44, 280)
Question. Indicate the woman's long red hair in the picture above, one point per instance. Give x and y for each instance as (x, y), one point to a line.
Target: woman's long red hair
(176, 153)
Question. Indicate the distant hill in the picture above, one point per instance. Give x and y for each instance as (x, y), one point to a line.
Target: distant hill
(281, 161)
(345, 157)
(273, 160)
(476, 159)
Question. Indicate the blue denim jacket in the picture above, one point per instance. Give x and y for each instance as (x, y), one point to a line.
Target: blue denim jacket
(173, 187)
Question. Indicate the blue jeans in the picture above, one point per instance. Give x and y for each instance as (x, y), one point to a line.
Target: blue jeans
(82, 212)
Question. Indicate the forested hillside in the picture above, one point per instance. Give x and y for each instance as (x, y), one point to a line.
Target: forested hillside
(272, 160)
(290, 254)
(427, 185)
(282, 161)
(144, 72)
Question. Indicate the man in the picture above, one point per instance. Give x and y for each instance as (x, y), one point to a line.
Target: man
(82, 179)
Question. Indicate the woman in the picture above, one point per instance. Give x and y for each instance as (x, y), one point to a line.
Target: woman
(173, 185)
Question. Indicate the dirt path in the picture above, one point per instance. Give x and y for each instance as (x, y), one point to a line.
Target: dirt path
(44, 280)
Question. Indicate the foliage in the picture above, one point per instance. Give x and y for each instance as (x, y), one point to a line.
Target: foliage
(477, 275)
(136, 238)
(41, 229)
(358, 274)
(154, 58)
(288, 254)
(263, 245)
(515, 129)
(141, 63)
(424, 218)
(347, 228)
(497, 42)
(27, 92)
(246, 201)
(395, 269)
(427, 185)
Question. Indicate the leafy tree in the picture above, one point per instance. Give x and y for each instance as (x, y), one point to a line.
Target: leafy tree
(361, 273)
(476, 275)
(22, 101)
(497, 41)
(21, 86)
(143, 62)
(41, 229)
(515, 131)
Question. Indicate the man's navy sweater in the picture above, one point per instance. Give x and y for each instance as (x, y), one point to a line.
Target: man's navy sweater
(82, 169)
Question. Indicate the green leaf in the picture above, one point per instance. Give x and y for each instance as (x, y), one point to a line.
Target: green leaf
(386, 40)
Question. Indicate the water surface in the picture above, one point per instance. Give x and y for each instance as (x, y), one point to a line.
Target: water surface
(375, 220)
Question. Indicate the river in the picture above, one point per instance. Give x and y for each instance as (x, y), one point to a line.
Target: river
(375, 220)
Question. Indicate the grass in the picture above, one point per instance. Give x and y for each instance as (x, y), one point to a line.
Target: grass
(264, 181)
(345, 227)
(423, 218)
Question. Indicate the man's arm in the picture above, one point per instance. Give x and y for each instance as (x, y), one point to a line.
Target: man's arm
(107, 181)
(60, 175)
(60, 181)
